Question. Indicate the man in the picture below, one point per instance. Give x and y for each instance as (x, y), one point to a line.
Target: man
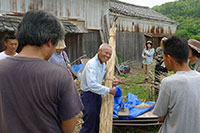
(92, 88)
(11, 44)
(35, 95)
(194, 54)
(178, 102)
(60, 57)
(160, 69)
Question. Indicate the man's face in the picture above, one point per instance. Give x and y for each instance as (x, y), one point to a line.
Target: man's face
(105, 54)
(167, 61)
(165, 58)
(11, 45)
(190, 53)
(59, 50)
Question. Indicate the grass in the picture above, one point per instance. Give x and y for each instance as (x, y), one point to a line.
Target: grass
(133, 82)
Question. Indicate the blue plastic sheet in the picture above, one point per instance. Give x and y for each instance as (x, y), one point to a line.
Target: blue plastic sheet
(132, 100)
(76, 68)
(124, 67)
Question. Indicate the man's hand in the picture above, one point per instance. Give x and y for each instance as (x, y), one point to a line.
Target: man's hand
(161, 118)
(68, 66)
(112, 91)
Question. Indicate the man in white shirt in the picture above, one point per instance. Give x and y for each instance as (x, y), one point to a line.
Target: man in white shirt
(92, 88)
(178, 104)
(11, 44)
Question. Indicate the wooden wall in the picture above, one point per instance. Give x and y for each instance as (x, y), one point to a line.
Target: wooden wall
(80, 44)
(129, 45)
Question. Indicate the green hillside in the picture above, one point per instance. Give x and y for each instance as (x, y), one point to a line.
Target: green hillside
(186, 13)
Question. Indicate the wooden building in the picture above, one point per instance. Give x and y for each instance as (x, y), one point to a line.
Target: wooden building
(81, 18)
(136, 25)
(84, 19)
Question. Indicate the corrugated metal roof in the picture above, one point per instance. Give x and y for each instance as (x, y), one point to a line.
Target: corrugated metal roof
(72, 28)
(89, 11)
(8, 23)
(127, 9)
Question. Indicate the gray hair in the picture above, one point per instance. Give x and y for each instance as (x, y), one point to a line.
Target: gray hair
(39, 27)
(101, 47)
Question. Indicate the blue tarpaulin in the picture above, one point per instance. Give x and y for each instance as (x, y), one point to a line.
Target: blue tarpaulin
(76, 68)
(124, 67)
(132, 100)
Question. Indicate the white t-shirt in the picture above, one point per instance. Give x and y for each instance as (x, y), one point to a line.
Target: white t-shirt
(3, 55)
(179, 101)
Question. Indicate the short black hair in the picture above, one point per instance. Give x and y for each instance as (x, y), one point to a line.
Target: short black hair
(38, 27)
(176, 47)
(9, 36)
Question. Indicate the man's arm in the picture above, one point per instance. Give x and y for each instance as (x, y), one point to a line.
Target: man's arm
(70, 104)
(161, 118)
(72, 72)
(161, 108)
(69, 125)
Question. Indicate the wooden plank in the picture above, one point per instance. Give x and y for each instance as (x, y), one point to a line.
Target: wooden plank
(136, 124)
(84, 61)
(123, 112)
(148, 114)
(135, 120)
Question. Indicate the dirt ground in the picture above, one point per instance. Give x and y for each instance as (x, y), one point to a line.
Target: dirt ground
(135, 69)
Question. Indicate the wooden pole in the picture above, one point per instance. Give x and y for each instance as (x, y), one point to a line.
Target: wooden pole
(106, 116)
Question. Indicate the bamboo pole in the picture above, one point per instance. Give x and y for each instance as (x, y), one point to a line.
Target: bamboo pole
(106, 116)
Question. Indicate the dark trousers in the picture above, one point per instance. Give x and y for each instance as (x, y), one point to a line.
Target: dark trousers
(91, 112)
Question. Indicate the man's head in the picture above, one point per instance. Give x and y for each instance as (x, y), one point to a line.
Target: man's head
(175, 49)
(11, 44)
(38, 28)
(162, 40)
(104, 52)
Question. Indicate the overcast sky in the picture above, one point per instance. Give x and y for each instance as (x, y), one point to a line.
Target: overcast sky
(149, 3)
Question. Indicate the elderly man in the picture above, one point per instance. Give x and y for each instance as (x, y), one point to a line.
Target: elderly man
(59, 56)
(178, 103)
(35, 95)
(92, 88)
(11, 44)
